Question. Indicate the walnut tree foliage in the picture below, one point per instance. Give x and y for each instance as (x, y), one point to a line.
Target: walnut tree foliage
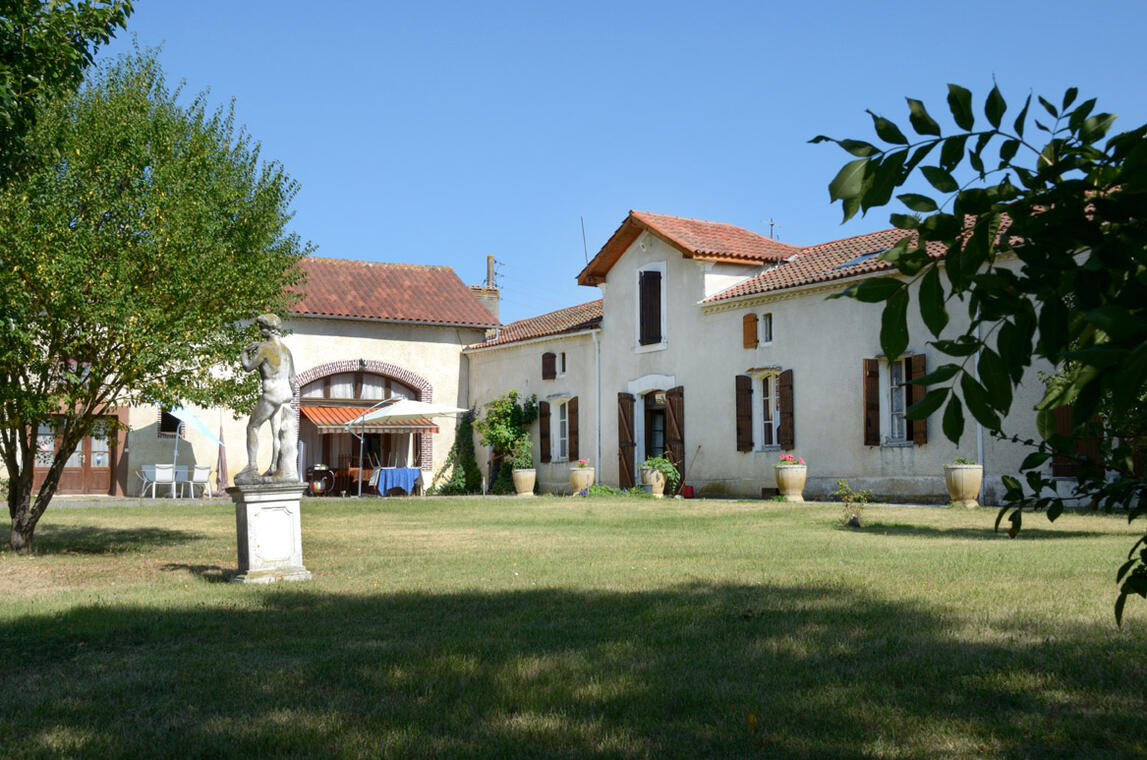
(1051, 188)
(135, 247)
(45, 46)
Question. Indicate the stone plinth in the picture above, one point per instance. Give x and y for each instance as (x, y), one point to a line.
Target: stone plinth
(268, 531)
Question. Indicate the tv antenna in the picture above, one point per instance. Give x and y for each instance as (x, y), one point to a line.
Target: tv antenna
(584, 247)
(771, 224)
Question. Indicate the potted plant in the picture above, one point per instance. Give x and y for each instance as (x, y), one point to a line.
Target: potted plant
(791, 473)
(963, 478)
(581, 476)
(659, 472)
(522, 460)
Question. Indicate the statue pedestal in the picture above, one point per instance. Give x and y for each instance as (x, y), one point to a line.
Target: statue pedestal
(269, 535)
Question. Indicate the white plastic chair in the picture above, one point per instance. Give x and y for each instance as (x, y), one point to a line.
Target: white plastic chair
(200, 477)
(164, 476)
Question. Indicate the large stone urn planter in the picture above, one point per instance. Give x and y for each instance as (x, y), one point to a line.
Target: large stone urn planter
(790, 481)
(524, 481)
(581, 478)
(963, 481)
(655, 479)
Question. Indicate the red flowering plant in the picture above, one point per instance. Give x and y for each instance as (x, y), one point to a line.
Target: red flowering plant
(787, 459)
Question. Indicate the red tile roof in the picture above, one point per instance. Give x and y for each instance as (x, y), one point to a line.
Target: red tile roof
(822, 263)
(581, 317)
(695, 238)
(390, 292)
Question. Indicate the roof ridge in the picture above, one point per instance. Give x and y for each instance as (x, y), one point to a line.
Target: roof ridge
(851, 237)
(710, 221)
(364, 262)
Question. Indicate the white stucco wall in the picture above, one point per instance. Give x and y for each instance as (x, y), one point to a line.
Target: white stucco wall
(518, 366)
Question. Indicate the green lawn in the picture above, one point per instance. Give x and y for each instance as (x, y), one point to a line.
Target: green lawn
(573, 628)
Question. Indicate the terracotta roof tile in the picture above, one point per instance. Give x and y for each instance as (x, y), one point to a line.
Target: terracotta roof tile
(824, 263)
(392, 292)
(695, 238)
(572, 319)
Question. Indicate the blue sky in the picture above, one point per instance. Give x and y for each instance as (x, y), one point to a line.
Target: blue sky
(439, 133)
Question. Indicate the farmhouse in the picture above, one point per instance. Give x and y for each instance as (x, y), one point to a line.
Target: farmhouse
(719, 348)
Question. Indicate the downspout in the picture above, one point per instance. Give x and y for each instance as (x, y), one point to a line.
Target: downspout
(980, 435)
(597, 401)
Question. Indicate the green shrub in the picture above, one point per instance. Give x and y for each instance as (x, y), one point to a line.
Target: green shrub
(465, 476)
(853, 512)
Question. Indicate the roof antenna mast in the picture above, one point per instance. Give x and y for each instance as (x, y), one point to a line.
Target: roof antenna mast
(584, 247)
(771, 224)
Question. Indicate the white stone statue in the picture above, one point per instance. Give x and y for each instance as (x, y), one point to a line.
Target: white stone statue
(274, 362)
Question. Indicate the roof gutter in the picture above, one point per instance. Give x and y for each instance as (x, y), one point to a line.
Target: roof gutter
(530, 341)
(471, 325)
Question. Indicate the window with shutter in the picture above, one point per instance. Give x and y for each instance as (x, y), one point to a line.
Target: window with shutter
(891, 381)
(549, 365)
(743, 387)
(767, 328)
(573, 428)
(563, 438)
(544, 431)
(917, 429)
(786, 432)
(626, 445)
(749, 331)
(649, 308)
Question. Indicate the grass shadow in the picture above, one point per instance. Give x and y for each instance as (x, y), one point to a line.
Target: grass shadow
(980, 534)
(55, 539)
(823, 671)
(209, 573)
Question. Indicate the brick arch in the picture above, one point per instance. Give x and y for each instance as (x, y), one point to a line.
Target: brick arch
(393, 371)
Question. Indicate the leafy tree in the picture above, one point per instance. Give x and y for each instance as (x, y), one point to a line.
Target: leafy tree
(507, 421)
(1041, 223)
(45, 46)
(136, 247)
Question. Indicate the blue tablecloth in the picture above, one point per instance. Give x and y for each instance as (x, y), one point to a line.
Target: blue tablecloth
(385, 478)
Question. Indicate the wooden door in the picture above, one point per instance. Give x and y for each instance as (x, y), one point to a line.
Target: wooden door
(88, 469)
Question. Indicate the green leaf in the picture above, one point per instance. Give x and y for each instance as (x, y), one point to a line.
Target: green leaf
(883, 176)
(932, 401)
(994, 375)
(960, 104)
(1054, 510)
(1069, 97)
(965, 345)
(932, 302)
(922, 122)
(1021, 120)
(952, 152)
(874, 289)
(919, 203)
(1096, 127)
(894, 325)
(904, 221)
(941, 374)
(995, 106)
(1048, 107)
(887, 131)
(979, 403)
(1008, 151)
(940, 179)
(953, 423)
(1034, 460)
(848, 183)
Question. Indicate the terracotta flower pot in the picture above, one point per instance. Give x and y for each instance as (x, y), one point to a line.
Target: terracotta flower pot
(790, 480)
(581, 478)
(963, 481)
(524, 481)
(655, 479)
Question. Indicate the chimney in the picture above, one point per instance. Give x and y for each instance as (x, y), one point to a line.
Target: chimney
(487, 294)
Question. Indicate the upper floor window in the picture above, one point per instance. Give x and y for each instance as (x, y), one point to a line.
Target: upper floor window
(753, 335)
(651, 305)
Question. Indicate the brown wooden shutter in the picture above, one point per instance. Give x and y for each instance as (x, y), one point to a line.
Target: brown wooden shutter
(625, 443)
(544, 431)
(785, 431)
(871, 402)
(549, 365)
(917, 429)
(571, 422)
(744, 396)
(749, 330)
(650, 310)
(675, 427)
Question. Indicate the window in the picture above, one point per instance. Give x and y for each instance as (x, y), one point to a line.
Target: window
(549, 365)
(764, 402)
(896, 394)
(168, 424)
(767, 328)
(563, 432)
(751, 337)
(887, 395)
(562, 363)
(651, 306)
